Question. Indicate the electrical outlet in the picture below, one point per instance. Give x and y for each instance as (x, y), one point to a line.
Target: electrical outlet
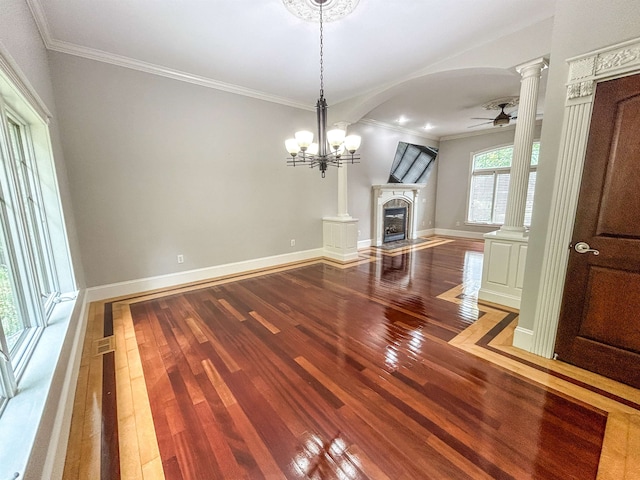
(430, 222)
(180, 258)
(293, 242)
(423, 223)
(457, 224)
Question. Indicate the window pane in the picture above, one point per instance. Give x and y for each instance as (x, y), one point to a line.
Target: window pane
(530, 190)
(534, 153)
(499, 158)
(33, 215)
(500, 204)
(481, 198)
(12, 324)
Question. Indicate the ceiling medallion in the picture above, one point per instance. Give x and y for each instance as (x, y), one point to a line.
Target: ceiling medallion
(309, 10)
(501, 103)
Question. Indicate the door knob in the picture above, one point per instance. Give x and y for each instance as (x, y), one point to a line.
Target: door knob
(583, 247)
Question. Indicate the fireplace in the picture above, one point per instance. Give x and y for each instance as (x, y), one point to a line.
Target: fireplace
(395, 221)
(392, 196)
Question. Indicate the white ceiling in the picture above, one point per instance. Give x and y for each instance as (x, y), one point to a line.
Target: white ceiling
(434, 61)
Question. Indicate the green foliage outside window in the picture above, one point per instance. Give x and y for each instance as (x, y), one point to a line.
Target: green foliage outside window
(501, 158)
(8, 313)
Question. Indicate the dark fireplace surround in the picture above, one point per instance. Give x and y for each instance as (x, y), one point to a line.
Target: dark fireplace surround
(395, 220)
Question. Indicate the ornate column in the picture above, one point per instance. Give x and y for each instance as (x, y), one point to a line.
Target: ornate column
(522, 145)
(340, 233)
(505, 250)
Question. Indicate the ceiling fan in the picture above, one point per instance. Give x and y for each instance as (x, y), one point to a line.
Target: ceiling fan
(501, 120)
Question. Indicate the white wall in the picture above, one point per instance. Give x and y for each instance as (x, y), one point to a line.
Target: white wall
(453, 176)
(580, 26)
(160, 167)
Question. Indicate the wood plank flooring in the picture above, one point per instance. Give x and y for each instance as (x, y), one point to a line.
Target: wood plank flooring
(383, 368)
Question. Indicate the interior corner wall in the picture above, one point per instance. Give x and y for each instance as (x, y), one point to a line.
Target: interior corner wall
(453, 177)
(160, 167)
(580, 26)
(20, 38)
(378, 152)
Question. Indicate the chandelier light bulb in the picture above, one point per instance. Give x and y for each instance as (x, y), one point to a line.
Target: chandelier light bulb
(335, 137)
(292, 146)
(352, 143)
(304, 139)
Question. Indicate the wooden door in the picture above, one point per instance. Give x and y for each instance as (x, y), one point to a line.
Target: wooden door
(599, 327)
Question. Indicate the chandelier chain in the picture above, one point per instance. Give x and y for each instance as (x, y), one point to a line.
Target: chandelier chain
(321, 54)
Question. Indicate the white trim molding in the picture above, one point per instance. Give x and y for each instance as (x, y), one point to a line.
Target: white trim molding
(523, 338)
(127, 62)
(585, 71)
(104, 292)
(382, 194)
(459, 233)
(19, 83)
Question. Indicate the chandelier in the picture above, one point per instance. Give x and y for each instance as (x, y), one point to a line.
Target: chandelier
(333, 147)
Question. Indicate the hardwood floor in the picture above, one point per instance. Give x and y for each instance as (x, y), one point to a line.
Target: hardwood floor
(384, 368)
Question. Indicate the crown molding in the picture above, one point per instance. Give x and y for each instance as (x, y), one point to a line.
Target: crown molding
(41, 21)
(395, 128)
(100, 56)
(126, 62)
(18, 81)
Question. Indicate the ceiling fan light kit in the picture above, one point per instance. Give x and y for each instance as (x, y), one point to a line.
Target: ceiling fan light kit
(503, 118)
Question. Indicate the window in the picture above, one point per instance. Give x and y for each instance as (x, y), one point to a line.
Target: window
(490, 184)
(29, 280)
(411, 163)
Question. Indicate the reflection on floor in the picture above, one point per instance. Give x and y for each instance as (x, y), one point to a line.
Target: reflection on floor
(383, 368)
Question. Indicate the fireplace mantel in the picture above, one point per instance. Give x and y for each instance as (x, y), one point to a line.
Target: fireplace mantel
(402, 191)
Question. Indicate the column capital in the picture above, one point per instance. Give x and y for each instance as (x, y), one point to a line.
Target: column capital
(532, 66)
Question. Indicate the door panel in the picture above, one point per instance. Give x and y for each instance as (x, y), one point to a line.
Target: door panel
(599, 326)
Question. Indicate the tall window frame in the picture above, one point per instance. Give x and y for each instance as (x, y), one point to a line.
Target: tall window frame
(29, 258)
(489, 184)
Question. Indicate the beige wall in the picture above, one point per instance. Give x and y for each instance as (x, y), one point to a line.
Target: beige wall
(160, 167)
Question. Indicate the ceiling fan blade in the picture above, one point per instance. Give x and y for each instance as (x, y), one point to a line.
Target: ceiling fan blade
(481, 118)
(479, 124)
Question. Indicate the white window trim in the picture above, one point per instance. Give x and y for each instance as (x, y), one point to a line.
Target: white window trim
(470, 177)
(37, 419)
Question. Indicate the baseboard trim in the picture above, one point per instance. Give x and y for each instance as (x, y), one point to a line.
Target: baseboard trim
(523, 338)
(120, 289)
(459, 233)
(499, 298)
(430, 232)
(364, 244)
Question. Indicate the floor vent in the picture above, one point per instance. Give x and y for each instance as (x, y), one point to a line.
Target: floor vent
(104, 345)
